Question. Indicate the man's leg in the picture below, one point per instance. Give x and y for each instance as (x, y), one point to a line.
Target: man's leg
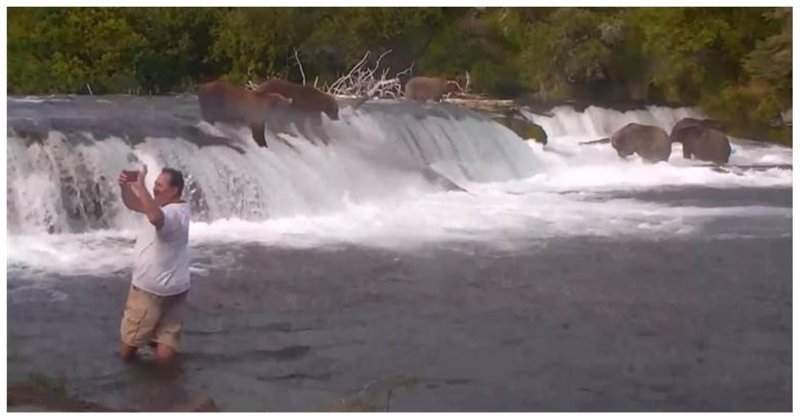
(138, 322)
(164, 354)
(126, 352)
(168, 331)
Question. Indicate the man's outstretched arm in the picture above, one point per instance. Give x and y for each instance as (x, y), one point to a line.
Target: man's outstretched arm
(128, 196)
(145, 201)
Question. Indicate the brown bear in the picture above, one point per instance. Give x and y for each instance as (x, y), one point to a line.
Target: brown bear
(647, 141)
(702, 140)
(693, 122)
(304, 98)
(423, 88)
(225, 102)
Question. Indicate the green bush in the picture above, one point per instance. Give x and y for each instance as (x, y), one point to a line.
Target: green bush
(735, 63)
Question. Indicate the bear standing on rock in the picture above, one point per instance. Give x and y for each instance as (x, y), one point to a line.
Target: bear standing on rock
(304, 98)
(225, 102)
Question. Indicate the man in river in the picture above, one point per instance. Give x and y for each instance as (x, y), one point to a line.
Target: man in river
(160, 282)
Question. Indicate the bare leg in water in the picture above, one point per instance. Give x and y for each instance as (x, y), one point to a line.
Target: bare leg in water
(126, 352)
(164, 354)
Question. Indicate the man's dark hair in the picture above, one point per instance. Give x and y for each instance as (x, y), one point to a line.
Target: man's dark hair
(175, 179)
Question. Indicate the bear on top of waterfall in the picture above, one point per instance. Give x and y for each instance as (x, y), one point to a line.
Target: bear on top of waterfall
(423, 88)
(304, 98)
(225, 102)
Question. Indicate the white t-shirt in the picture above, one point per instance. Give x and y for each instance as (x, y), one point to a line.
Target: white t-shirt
(161, 264)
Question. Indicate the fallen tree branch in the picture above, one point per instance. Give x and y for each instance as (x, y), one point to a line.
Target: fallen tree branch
(342, 80)
(251, 85)
(601, 141)
(492, 105)
(296, 57)
(363, 82)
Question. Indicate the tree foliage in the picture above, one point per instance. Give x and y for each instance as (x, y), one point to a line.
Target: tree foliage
(736, 63)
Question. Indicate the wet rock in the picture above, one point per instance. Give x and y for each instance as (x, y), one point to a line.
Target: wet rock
(524, 128)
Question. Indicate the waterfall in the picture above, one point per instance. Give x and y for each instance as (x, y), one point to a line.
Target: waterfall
(64, 155)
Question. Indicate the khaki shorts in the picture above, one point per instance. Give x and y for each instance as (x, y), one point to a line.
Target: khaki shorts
(152, 318)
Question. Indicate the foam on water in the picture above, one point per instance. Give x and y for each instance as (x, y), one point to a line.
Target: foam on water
(490, 216)
(367, 188)
(568, 164)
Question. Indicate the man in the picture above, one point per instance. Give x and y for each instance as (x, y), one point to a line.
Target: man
(157, 295)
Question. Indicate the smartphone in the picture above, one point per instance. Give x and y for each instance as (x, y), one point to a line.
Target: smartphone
(131, 176)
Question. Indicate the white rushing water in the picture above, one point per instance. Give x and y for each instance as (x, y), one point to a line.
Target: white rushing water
(368, 186)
